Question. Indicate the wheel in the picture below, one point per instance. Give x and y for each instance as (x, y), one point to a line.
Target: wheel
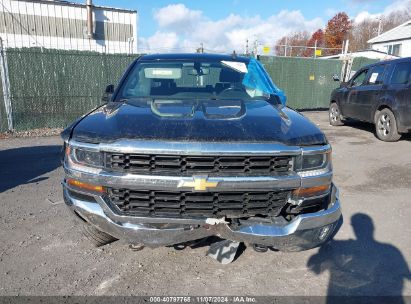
(335, 115)
(97, 237)
(386, 125)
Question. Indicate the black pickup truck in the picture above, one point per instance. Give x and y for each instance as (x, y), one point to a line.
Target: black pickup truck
(193, 145)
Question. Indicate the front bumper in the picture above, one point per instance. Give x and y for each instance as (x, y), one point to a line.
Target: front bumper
(303, 232)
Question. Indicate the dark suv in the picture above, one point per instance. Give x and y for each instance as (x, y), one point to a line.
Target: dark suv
(379, 93)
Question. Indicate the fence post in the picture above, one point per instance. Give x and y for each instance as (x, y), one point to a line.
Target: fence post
(4, 74)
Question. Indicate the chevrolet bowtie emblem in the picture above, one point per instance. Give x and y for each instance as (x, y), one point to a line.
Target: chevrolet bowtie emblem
(199, 184)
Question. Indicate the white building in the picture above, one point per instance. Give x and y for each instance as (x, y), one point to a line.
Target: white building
(69, 26)
(396, 41)
(370, 54)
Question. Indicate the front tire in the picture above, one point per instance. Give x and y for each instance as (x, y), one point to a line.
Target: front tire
(386, 126)
(97, 237)
(334, 115)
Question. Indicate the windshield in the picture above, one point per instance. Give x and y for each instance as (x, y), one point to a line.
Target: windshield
(185, 79)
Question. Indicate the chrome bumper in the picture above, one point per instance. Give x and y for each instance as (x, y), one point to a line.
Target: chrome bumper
(303, 232)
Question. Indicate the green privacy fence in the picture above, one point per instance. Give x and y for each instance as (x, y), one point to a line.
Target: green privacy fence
(307, 82)
(359, 62)
(51, 88)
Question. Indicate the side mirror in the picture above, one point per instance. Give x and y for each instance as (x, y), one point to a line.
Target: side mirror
(282, 97)
(336, 77)
(108, 92)
(109, 89)
(277, 99)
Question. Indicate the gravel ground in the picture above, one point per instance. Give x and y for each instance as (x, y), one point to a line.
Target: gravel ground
(31, 133)
(44, 253)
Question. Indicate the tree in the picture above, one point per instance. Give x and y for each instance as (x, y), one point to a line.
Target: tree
(295, 44)
(365, 30)
(316, 36)
(361, 33)
(337, 31)
(395, 18)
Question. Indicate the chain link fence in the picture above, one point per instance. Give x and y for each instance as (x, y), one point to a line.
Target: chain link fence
(307, 82)
(50, 88)
(359, 62)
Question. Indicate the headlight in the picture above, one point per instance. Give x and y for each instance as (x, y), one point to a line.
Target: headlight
(86, 157)
(307, 162)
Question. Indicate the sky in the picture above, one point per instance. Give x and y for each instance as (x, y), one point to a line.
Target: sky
(225, 25)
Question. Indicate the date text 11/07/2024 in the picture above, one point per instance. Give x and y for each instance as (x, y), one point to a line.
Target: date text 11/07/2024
(203, 299)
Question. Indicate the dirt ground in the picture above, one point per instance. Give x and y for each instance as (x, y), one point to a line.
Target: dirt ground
(42, 251)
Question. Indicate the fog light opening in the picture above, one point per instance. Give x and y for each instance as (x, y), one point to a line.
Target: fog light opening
(324, 232)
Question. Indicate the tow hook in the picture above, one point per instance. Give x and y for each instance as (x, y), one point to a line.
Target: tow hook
(215, 221)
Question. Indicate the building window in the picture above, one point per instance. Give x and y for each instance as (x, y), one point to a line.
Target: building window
(394, 49)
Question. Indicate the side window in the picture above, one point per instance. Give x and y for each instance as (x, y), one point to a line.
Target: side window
(359, 79)
(376, 75)
(394, 49)
(402, 73)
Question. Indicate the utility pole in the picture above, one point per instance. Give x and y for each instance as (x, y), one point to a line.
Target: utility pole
(315, 49)
(201, 48)
(246, 48)
(347, 43)
(255, 48)
(285, 47)
(89, 6)
(379, 25)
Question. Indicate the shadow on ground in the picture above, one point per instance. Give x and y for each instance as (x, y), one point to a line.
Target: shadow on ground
(27, 165)
(368, 127)
(362, 267)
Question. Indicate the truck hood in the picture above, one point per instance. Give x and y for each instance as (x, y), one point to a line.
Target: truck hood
(199, 121)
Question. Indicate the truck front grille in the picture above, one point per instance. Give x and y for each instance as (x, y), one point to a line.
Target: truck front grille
(181, 165)
(197, 204)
